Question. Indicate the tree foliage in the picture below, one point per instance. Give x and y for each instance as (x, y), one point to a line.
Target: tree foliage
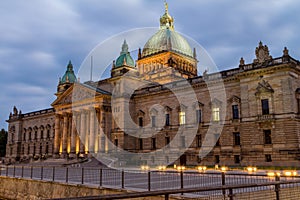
(3, 141)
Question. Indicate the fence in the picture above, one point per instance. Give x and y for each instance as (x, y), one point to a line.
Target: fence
(154, 180)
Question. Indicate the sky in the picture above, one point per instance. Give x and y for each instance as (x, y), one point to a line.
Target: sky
(38, 38)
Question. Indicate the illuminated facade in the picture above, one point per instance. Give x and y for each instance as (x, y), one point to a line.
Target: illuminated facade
(261, 122)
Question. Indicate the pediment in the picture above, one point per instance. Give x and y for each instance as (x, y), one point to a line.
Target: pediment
(77, 92)
(234, 99)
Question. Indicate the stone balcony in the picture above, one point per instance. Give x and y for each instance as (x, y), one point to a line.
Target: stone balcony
(268, 117)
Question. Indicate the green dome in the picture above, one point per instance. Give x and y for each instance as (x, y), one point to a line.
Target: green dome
(125, 57)
(69, 76)
(167, 39)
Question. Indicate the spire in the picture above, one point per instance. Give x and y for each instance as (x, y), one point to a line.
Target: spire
(167, 21)
(124, 48)
(166, 7)
(195, 53)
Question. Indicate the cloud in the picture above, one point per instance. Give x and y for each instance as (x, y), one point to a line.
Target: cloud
(39, 38)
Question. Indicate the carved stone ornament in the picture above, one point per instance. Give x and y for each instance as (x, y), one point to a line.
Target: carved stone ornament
(263, 87)
(262, 53)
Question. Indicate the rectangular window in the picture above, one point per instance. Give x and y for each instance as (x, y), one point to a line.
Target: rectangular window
(167, 119)
(216, 114)
(298, 105)
(153, 142)
(198, 116)
(140, 143)
(167, 140)
(236, 138)
(116, 142)
(199, 140)
(265, 106)
(141, 123)
(235, 112)
(182, 141)
(267, 136)
(217, 159)
(236, 159)
(217, 139)
(181, 118)
(268, 158)
(153, 120)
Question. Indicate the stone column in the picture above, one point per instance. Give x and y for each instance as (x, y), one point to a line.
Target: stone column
(82, 132)
(92, 131)
(73, 134)
(65, 135)
(57, 135)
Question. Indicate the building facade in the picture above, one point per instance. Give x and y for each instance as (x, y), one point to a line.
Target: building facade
(255, 122)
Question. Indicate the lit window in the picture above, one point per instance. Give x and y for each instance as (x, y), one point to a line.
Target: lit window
(216, 114)
(181, 118)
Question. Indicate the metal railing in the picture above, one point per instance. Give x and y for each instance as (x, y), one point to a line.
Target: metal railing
(224, 192)
(138, 180)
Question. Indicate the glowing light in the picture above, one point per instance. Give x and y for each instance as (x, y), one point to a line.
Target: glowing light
(290, 173)
(223, 169)
(202, 168)
(251, 169)
(271, 174)
(145, 167)
(161, 167)
(181, 168)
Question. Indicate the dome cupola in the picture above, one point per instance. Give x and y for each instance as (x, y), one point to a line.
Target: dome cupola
(124, 58)
(167, 39)
(69, 76)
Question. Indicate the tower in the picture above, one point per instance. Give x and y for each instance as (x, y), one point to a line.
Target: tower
(167, 56)
(67, 80)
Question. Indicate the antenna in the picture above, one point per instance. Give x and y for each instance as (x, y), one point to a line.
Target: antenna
(91, 78)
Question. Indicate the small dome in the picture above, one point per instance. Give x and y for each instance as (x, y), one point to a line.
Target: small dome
(167, 40)
(125, 57)
(69, 76)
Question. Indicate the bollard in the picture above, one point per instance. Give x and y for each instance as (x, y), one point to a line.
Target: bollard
(181, 180)
(82, 175)
(277, 187)
(100, 177)
(149, 181)
(123, 179)
(31, 171)
(53, 174)
(22, 172)
(223, 183)
(14, 173)
(42, 172)
(67, 175)
(6, 170)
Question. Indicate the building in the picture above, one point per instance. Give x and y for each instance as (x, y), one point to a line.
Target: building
(256, 120)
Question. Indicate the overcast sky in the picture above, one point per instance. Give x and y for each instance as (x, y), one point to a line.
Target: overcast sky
(38, 38)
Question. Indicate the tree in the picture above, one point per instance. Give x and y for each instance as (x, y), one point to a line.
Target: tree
(3, 141)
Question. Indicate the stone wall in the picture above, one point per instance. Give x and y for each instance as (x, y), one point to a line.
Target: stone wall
(24, 189)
